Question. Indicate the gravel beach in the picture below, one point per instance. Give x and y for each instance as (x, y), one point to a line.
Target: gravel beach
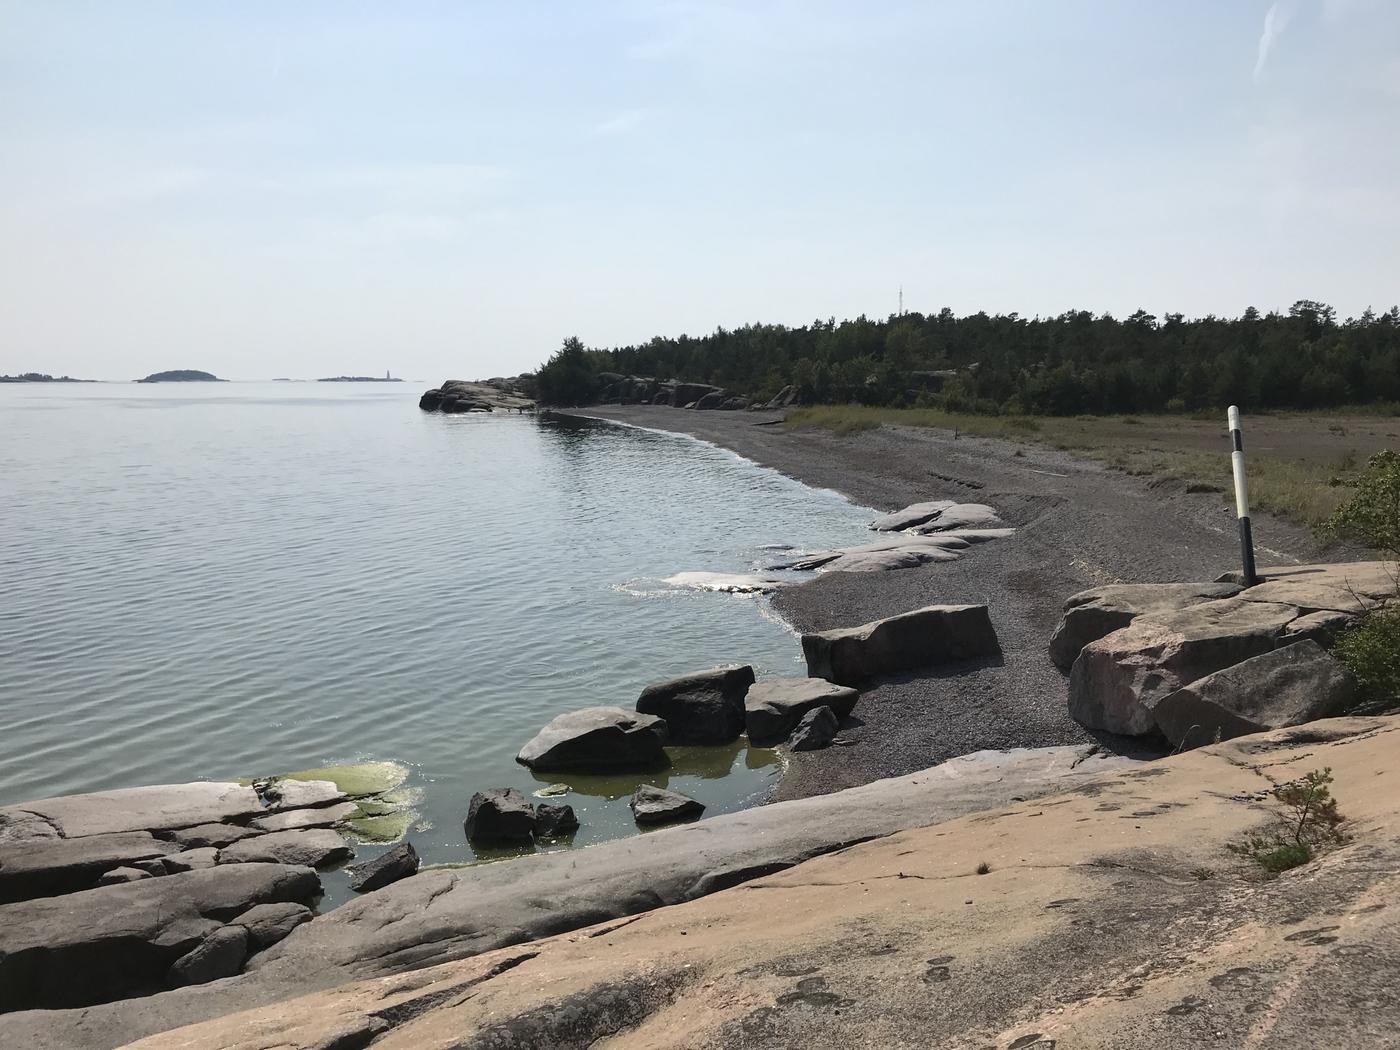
(1078, 525)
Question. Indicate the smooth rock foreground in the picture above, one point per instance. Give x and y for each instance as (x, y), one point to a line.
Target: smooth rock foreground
(441, 915)
(1112, 915)
(933, 635)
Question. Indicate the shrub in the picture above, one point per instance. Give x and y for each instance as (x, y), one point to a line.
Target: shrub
(1372, 515)
(1309, 820)
(1371, 652)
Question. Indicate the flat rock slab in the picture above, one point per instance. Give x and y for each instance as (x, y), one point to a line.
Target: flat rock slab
(48, 867)
(1117, 680)
(1369, 579)
(397, 863)
(269, 923)
(933, 635)
(1286, 687)
(314, 848)
(914, 514)
(597, 738)
(291, 793)
(116, 941)
(703, 708)
(961, 516)
(316, 817)
(211, 835)
(775, 706)
(160, 808)
(440, 915)
(1099, 611)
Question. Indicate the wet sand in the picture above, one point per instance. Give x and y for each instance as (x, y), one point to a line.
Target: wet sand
(1079, 525)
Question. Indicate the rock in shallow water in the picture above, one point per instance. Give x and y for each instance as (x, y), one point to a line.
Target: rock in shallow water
(817, 729)
(775, 706)
(706, 707)
(553, 820)
(499, 815)
(654, 805)
(597, 739)
(398, 863)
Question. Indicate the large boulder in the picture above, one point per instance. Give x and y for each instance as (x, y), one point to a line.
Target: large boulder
(554, 820)
(775, 706)
(1286, 687)
(499, 815)
(315, 848)
(702, 708)
(933, 635)
(654, 805)
(711, 400)
(118, 941)
(398, 863)
(1323, 627)
(47, 867)
(1091, 614)
(597, 739)
(1117, 679)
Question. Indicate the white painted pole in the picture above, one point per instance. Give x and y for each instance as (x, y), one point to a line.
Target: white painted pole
(1241, 496)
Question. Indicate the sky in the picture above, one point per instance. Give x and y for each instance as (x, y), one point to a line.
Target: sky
(265, 188)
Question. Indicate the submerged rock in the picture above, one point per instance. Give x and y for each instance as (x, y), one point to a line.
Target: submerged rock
(654, 805)
(499, 815)
(775, 706)
(398, 863)
(597, 739)
(817, 729)
(706, 707)
(1287, 687)
(933, 635)
(727, 582)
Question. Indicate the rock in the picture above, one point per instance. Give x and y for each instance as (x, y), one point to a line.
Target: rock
(775, 706)
(398, 863)
(1091, 614)
(317, 817)
(285, 793)
(211, 835)
(886, 560)
(47, 867)
(160, 808)
(654, 805)
(499, 815)
(933, 635)
(269, 923)
(1326, 586)
(221, 954)
(154, 867)
(734, 404)
(430, 400)
(597, 738)
(315, 848)
(191, 860)
(914, 514)
(554, 820)
(711, 400)
(118, 876)
(901, 551)
(1289, 686)
(1116, 680)
(1322, 627)
(817, 729)
(961, 516)
(727, 582)
(118, 941)
(706, 707)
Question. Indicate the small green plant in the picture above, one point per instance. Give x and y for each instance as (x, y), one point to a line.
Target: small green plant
(1371, 652)
(984, 868)
(1203, 874)
(1372, 514)
(1309, 821)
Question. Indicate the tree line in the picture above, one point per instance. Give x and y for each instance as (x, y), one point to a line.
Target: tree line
(1077, 362)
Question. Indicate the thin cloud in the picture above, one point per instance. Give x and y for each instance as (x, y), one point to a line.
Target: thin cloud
(1276, 20)
(621, 123)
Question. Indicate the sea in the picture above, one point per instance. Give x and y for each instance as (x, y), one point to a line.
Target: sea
(211, 581)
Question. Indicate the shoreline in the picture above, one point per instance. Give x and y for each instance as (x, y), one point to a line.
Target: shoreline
(1078, 525)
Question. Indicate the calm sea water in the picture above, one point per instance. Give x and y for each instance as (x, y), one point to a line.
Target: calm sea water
(208, 581)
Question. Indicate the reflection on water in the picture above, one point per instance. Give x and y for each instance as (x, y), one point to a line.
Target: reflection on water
(270, 577)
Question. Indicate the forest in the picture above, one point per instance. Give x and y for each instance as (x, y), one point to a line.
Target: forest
(1072, 364)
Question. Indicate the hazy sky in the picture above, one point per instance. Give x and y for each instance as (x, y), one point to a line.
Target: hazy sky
(274, 188)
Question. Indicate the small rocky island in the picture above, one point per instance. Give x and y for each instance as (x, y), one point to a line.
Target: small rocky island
(182, 375)
(42, 377)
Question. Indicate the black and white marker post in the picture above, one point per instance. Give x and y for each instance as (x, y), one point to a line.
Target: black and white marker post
(1241, 497)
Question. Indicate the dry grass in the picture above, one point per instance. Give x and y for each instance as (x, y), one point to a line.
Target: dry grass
(1298, 462)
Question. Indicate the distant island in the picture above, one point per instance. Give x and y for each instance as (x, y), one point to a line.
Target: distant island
(181, 375)
(42, 377)
(361, 379)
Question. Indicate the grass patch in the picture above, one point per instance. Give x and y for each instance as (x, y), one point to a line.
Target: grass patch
(1305, 481)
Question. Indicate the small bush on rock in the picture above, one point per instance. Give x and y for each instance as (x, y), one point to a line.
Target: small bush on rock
(1309, 821)
(1371, 652)
(1372, 515)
